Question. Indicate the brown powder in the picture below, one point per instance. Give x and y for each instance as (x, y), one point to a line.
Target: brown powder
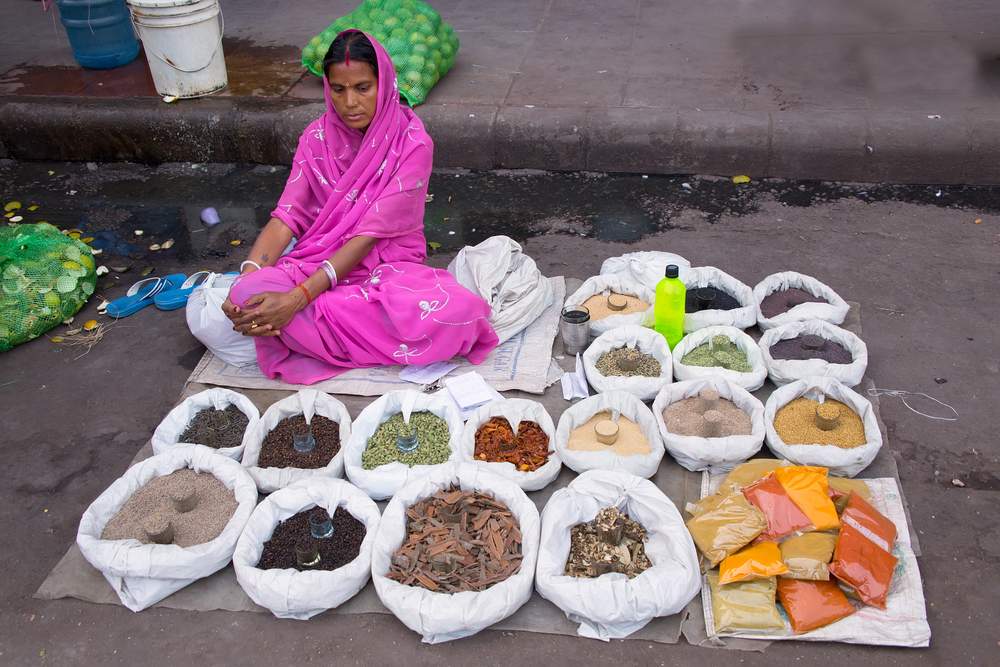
(706, 416)
(797, 424)
(598, 306)
(630, 442)
(214, 506)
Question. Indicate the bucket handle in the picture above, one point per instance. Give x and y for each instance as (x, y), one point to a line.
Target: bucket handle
(222, 32)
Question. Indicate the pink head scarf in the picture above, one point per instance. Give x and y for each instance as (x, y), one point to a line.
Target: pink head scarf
(345, 183)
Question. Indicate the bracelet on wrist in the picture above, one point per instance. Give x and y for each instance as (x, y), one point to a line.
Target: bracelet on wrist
(305, 291)
(251, 263)
(330, 272)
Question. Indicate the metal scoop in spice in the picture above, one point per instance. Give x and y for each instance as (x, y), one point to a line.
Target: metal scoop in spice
(320, 524)
(304, 442)
(617, 301)
(705, 296)
(407, 441)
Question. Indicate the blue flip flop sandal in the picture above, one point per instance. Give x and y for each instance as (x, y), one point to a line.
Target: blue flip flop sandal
(141, 294)
(172, 299)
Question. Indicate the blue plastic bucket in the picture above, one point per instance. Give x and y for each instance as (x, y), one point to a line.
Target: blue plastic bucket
(100, 32)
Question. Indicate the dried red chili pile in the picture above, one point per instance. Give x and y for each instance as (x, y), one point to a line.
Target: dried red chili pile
(528, 450)
(457, 541)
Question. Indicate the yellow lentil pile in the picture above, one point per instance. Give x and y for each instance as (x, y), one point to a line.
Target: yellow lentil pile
(797, 424)
(598, 306)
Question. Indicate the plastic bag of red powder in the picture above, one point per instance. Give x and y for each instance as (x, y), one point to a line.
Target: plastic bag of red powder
(869, 521)
(812, 604)
(783, 516)
(863, 565)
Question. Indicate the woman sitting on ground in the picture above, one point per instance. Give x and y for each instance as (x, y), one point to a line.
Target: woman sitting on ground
(354, 292)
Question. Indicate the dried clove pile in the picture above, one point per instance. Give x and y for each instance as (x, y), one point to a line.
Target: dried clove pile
(612, 542)
(457, 541)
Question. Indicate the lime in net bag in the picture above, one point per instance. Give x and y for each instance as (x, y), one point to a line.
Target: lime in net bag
(45, 278)
(421, 45)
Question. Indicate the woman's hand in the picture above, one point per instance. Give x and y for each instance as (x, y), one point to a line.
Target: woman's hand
(231, 310)
(265, 314)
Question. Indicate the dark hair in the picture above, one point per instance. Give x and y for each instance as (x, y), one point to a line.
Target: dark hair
(351, 43)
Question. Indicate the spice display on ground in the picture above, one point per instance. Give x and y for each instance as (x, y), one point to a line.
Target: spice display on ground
(278, 451)
(718, 352)
(784, 300)
(528, 450)
(709, 298)
(706, 415)
(612, 542)
(457, 541)
(810, 346)
(335, 551)
(629, 439)
(804, 421)
(432, 441)
(218, 429)
(183, 508)
(628, 362)
(600, 308)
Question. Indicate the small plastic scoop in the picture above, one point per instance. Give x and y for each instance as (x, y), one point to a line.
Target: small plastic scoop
(606, 432)
(408, 441)
(304, 442)
(320, 524)
(617, 301)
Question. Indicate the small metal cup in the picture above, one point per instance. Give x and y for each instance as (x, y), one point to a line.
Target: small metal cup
(705, 296)
(574, 327)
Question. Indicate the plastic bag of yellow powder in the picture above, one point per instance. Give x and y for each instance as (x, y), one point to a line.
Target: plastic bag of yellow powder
(808, 555)
(747, 606)
(727, 528)
(808, 488)
(757, 562)
(842, 487)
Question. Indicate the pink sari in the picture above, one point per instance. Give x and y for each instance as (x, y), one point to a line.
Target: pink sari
(391, 309)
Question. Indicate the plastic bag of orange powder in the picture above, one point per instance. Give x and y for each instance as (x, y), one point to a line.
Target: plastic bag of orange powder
(872, 523)
(783, 516)
(808, 488)
(812, 604)
(864, 566)
(756, 562)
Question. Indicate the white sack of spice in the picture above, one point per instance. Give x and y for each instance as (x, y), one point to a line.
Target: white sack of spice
(441, 617)
(708, 276)
(840, 461)
(514, 410)
(212, 327)
(646, 267)
(290, 593)
(170, 430)
(498, 270)
(307, 403)
(833, 311)
(716, 455)
(630, 407)
(751, 381)
(638, 338)
(143, 574)
(596, 285)
(382, 482)
(783, 371)
(613, 606)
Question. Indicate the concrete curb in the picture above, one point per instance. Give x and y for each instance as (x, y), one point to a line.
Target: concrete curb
(846, 146)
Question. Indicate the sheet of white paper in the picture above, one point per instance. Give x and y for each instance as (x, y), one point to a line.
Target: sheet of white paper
(468, 412)
(427, 374)
(470, 390)
(574, 385)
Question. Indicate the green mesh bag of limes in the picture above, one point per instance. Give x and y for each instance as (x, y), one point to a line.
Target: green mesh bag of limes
(421, 45)
(45, 278)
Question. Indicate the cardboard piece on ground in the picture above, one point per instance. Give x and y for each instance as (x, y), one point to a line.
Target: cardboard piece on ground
(524, 362)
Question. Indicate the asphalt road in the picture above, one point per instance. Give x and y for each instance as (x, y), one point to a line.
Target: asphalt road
(915, 257)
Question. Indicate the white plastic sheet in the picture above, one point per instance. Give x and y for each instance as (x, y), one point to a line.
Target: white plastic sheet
(383, 481)
(751, 381)
(143, 574)
(840, 461)
(289, 593)
(621, 285)
(613, 606)
(708, 276)
(646, 267)
(441, 617)
(210, 325)
(833, 311)
(783, 371)
(712, 454)
(307, 402)
(498, 270)
(630, 407)
(170, 430)
(646, 341)
(514, 410)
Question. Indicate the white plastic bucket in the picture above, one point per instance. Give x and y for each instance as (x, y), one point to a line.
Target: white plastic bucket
(183, 44)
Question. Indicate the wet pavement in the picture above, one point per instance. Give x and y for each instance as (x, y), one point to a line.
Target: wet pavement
(915, 257)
